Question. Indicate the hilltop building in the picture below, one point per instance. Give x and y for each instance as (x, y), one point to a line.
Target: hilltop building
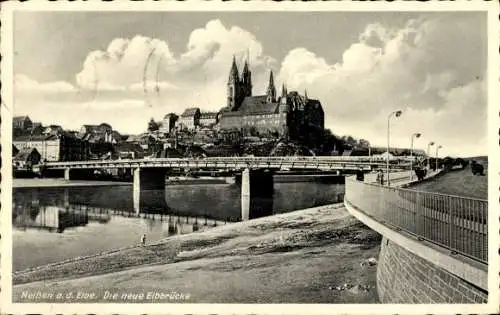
(168, 123)
(290, 115)
(190, 119)
(208, 119)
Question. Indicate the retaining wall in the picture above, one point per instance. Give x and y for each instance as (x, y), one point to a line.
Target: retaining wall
(403, 277)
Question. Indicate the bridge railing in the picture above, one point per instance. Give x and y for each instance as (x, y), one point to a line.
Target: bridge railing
(395, 162)
(457, 223)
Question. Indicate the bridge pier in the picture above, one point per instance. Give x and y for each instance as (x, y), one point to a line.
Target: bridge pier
(147, 180)
(66, 173)
(256, 193)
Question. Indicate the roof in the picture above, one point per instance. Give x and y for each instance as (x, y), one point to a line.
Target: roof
(17, 118)
(190, 112)
(169, 115)
(128, 147)
(255, 105)
(208, 115)
(35, 138)
(25, 153)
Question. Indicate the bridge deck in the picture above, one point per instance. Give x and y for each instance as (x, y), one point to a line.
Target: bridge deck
(316, 163)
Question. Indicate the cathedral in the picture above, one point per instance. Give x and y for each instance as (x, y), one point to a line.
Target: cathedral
(291, 116)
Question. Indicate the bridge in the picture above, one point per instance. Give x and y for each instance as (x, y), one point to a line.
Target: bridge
(323, 163)
(256, 173)
(434, 247)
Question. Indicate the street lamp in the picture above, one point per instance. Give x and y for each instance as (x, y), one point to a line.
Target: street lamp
(437, 149)
(413, 136)
(429, 154)
(396, 113)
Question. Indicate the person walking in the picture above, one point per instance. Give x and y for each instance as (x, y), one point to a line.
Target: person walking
(143, 239)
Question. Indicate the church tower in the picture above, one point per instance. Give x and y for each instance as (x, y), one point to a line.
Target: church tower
(271, 90)
(246, 78)
(233, 87)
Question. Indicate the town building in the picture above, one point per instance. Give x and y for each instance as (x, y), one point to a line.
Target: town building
(190, 119)
(63, 147)
(99, 133)
(26, 158)
(22, 122)
(290, 115)
(208, 119)
(128, 150)
(53, 130)
(101, 139)
(168, 123)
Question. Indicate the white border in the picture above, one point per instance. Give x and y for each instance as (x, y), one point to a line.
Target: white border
(494, 163)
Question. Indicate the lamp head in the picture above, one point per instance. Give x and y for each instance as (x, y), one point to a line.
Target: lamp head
(431, 143)
(398, 113)
(417, 135)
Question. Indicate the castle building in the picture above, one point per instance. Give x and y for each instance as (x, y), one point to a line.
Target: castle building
(290, 115)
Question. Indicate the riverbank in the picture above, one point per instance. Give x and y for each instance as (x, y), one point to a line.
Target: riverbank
(59, 182)
(316, 255)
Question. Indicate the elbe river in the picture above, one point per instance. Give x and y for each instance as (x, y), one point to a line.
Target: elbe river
(54, 224)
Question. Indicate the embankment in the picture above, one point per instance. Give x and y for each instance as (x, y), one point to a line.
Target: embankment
(315, 255)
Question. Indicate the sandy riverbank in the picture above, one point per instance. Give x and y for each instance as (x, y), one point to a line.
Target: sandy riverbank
(308, 256)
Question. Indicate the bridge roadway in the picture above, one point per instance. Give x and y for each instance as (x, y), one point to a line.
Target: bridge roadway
(323, 163)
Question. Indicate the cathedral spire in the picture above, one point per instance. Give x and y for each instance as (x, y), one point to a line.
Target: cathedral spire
(271, 90)
(305, 94)
(233, 73)
(246, 79)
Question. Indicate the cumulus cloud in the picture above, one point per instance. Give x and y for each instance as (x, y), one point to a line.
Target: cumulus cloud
(424, 68)
(432, 68)
(24, 83)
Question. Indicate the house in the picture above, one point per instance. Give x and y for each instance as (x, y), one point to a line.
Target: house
(37, 128)
(26, 158)
(190, 119)
(53, 130)
(168, 123)
(128, 150)
(14, 150)
(208, 119)
(63, 147)
(22, 122)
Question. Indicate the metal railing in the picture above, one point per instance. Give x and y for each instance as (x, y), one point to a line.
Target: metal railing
(313, 162)
(457, 223)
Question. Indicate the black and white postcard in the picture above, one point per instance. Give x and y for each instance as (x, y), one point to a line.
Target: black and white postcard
(250, 157)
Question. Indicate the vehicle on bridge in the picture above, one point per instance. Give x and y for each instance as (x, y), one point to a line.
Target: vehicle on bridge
(477, 168)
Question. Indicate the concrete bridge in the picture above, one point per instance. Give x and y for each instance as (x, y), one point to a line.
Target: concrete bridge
(256, 173)
(434, 247)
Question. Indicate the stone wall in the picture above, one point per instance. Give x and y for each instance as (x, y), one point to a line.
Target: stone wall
(403, 277)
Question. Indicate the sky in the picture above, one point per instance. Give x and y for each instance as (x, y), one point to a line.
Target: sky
(75, 68)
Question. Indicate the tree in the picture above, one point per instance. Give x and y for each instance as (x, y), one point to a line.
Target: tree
(153, 125)
(364, 143)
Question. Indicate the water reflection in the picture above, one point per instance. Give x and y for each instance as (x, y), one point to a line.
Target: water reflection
(53, 224)
(58, 219)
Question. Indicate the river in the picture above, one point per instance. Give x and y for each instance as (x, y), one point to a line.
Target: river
(53, 224)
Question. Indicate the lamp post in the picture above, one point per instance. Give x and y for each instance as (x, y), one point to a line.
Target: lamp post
(413, 136)
(437, 149)
(429, 154)
(396, 113)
